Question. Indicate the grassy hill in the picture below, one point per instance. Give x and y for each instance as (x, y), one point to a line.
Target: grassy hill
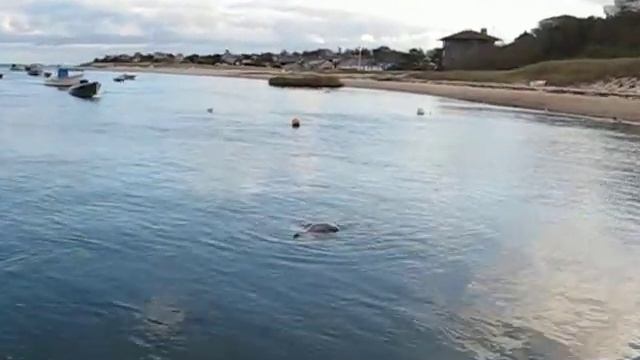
(557, 73)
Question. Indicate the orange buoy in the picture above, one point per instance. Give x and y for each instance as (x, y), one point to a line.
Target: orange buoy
(295, 123)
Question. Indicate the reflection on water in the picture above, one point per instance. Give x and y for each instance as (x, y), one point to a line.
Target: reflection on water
(142, 226)
(568, 285)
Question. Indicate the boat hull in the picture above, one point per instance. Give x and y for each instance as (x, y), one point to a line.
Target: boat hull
(85, 90)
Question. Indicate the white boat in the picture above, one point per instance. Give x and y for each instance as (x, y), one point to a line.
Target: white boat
(124, 77)
(64, 79)
(34, 69)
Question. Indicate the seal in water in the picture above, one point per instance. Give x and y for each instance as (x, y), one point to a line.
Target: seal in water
(318, 229)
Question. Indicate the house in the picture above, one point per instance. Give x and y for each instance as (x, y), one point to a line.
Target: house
(285, 60)
(137, 57)
(250, 60)
(320, 65)
(351, 64)
(160, 56)
(230, 59)
(293, 67)
(371, 65)
(461, 50)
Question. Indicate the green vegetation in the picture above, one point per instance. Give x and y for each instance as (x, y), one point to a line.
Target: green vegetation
(307, 81)
(557, 72)
(564, 37)
(570, 37)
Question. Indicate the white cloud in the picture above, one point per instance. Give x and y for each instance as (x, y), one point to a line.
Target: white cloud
(317, 39)
(212, 25)
(368, 38)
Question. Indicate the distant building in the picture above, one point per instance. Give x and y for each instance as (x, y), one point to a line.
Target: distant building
(137, 57)
(160, 56)
(285, 60)
(320, 65)
(462, 48)
(621, 6)
(230, 59)
(356, 64)
(349, 64)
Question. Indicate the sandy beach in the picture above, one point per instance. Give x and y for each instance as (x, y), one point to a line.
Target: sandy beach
(611, 107)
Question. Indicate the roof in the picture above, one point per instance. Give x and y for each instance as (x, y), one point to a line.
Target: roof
(470, 35)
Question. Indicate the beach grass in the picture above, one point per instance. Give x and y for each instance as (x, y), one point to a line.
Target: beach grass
(306, 81)
(556, 73)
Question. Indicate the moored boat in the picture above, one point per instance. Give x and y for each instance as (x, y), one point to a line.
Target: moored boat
(64, 79)
(34, 70)
(85, 89)
(16, 67)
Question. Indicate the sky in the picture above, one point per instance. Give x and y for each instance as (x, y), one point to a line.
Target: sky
(74, 31)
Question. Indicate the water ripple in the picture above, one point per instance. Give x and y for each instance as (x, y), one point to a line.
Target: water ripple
(152, 229)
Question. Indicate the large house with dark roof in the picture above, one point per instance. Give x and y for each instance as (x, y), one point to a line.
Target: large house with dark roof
(463, 49)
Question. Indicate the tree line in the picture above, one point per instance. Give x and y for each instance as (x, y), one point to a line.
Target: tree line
(568, 37)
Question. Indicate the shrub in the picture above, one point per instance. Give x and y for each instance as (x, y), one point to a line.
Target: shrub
(307, 81)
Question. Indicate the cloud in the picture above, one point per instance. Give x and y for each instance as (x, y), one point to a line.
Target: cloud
(213, 25)
(368, 38)
(60, 22)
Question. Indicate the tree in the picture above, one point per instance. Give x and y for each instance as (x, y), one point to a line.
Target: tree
(435, 57)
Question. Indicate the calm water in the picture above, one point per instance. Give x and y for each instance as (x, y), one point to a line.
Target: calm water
(139, 226)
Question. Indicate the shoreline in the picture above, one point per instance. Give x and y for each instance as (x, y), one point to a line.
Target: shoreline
(603, 107)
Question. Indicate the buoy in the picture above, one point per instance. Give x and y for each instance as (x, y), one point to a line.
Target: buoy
(295, 123)
(420, 112)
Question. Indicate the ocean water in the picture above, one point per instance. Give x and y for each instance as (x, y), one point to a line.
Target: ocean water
(140, 226)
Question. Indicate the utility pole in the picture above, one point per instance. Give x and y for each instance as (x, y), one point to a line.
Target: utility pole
(360, 59)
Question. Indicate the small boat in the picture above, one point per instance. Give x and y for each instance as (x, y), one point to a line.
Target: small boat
(119, 79)
(63, 79)
(85, 89)
(47, 74)
(1, 76)
(420, 112)
(34, 70)
(16, 67)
